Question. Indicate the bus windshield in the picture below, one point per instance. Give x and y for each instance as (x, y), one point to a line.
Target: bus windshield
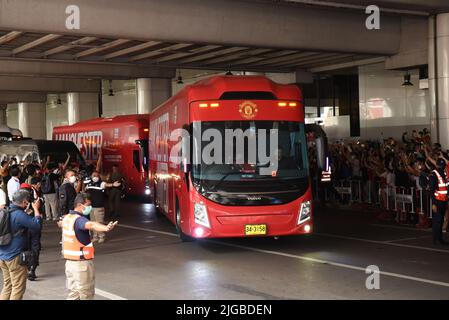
(241, 181)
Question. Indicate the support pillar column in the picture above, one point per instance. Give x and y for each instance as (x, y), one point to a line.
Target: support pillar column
(151, 93)
(3, 108)
(73, 107)
(439, 78)
(32, 120)
(81, 106)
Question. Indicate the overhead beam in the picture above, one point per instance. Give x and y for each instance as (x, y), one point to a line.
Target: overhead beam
(265, 56)
(315, 59)
(34, 84)
(98, 49)
(214, 54)
(342, 59)
(68, 46)
(249, 52)
(130, 50)
(84, 70)
(192, 52)
(287, 57)
(9, 36)
(14, 97)
(243, 23)
(155, 53)
(346, 65)
(36, 43)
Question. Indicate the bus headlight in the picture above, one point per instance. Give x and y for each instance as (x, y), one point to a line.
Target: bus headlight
(147, 190)
(305, 212)
(200, 214)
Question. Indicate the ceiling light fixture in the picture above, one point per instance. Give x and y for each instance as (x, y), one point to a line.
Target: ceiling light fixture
(179, 81)
(407, 78)
(111, 91)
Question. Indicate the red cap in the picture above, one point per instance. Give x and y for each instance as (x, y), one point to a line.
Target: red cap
(25, 186)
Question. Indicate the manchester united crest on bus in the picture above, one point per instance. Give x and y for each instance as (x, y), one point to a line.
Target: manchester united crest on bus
(248, 109)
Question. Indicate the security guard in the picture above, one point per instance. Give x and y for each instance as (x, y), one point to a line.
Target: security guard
(438, 185)
(95, 187)
(78, 249)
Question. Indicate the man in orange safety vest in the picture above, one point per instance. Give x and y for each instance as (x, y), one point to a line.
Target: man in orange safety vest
(78, 249)
(438, 185)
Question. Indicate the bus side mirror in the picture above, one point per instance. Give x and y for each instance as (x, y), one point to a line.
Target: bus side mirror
(185, 167)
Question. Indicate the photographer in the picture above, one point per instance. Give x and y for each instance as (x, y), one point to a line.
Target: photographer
(14, 270)
(34, 236)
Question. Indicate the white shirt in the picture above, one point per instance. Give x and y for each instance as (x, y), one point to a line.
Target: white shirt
(2, 198)
(12, 186)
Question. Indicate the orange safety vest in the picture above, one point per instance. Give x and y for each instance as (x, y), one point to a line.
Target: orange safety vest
(440, 193)
(72, 248)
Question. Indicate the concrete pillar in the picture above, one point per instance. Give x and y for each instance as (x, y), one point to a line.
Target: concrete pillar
(73, 107)
(32, 120)
(439, 78)
(151, 93)
(81, 106)
(3, 108)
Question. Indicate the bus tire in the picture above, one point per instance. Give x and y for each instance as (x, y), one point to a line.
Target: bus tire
(182, 235)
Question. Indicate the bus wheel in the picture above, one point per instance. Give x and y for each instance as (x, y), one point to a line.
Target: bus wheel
(182, 235)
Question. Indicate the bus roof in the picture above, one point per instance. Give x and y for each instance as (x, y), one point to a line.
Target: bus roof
(131, 119)
(223, 87)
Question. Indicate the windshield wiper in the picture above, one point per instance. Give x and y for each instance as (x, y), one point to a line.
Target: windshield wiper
(214, 187)
(277, 178)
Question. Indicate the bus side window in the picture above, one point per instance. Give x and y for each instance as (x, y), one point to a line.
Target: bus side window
(136, 159)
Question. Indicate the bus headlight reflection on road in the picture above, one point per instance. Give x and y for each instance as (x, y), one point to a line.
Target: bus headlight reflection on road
(200, 214)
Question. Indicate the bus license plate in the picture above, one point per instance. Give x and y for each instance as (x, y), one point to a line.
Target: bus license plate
(255, 229)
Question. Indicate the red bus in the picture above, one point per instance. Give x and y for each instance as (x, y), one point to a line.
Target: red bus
(123, 140)
(231, 198)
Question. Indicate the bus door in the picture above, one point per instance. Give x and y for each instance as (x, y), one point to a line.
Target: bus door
(162, 186)
(137, 172)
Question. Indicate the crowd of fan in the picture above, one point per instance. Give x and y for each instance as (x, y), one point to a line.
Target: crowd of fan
(49, 190)
(380, 168)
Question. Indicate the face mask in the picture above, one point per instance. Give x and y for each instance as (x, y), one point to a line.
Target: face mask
(56, 171)
(87, 210)
(72, 179)
(95, 179)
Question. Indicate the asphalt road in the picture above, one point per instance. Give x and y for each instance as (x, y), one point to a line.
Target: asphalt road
(144, 259)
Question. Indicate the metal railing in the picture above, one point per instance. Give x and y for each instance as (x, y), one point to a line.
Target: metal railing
(397, 199)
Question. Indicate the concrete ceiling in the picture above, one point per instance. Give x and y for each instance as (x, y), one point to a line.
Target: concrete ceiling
(46, 47)
(418, 6)
(239, 35)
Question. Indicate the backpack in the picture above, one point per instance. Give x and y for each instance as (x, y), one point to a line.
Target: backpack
(46, 184)
(5, 227)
